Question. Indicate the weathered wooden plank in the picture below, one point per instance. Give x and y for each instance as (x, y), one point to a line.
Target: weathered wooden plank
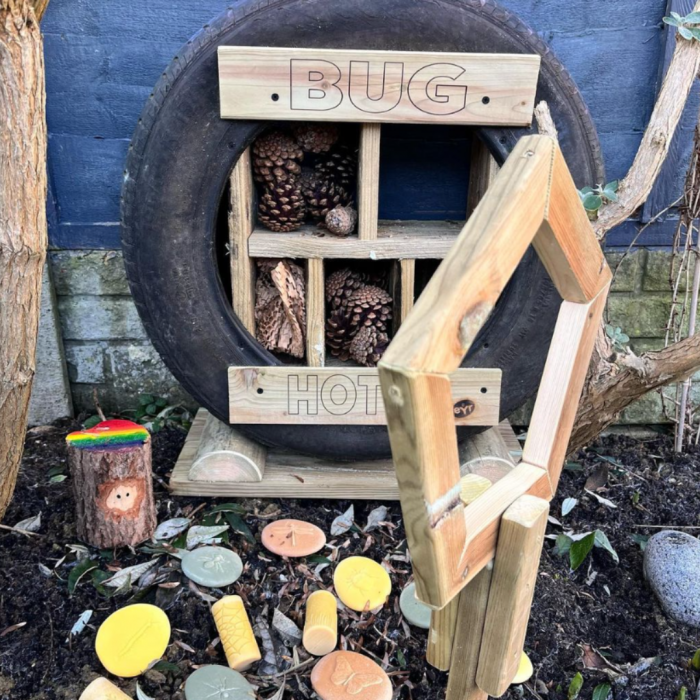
(561, 385)
(345, 396)
(381, 86)
(396, 239)
(368, 182)
(482, 172)
(441, 636)
(315, 314)
(241, 220)
(520, 540)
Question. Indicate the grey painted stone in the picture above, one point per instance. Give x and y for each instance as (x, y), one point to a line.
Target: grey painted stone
(94, 272)
(99, 318)
(640, 316)
(657, 274)
(212, 566)
(218, 683)
(672, 568)
(413, 610)
(86, 361)
(51, 398)
(629, 274)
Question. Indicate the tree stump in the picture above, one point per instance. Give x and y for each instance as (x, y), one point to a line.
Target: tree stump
(111, 471)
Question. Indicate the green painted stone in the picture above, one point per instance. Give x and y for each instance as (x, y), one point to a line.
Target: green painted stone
(212, 566)
(218, 683)
(413, 610)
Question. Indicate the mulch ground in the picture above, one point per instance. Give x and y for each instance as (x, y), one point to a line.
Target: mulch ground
(601, 620)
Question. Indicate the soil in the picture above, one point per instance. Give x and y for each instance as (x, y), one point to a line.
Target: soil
(602, 615)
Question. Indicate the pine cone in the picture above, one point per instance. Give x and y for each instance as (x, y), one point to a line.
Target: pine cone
(340, 166)
(341, 221)
(280, 307)
(367, 309)
(276, 158)
(316, 138)
(368, 346)
(320, 194)
(281, 207)
(342, 284)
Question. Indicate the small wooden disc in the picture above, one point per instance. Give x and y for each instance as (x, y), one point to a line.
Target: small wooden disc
(343, 675)
(293, 538)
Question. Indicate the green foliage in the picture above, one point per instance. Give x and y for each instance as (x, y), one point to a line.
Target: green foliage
(641, 540)
(682, 694)
(602, 692)
(91, 422)
(685, 25)
(578, 547)
(593, 198)
(154, 413)
(695, 661)
(78, 571)
(617, 337)
(575, 687)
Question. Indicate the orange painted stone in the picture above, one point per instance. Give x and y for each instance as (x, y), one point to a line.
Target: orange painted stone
(293, 538)
(344, 675)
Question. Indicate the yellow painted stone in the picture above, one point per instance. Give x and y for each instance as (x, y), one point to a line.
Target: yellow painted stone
(321, 623)
(102, 689)
(131, 638)
(236, 633)
(361, 584)
(472, 486)
(525, 670)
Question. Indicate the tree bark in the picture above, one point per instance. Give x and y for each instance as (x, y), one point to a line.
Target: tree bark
(22, 224)
(113, 491)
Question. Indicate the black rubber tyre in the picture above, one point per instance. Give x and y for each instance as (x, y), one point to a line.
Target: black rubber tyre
(182, 153)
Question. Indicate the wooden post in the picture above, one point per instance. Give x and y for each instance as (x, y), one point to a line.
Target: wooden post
(520, 540)
(110, 467)
(441, 635)
(368, 182)
(315, 314)
(22, 225)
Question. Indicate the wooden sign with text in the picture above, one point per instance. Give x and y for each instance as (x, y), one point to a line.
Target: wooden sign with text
(345, 396)
(377, 86)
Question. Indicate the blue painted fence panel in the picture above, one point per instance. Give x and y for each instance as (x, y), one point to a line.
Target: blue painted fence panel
(103, 58)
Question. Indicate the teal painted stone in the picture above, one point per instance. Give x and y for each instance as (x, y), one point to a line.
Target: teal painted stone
(212, 566)
(413, 610)
(218, 683)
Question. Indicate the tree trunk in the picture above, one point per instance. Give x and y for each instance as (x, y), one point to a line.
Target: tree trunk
(113, 491)
(22, 224)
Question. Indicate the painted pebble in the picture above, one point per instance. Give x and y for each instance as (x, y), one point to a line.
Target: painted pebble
(413, 610)
(361, 584)
(236, 632)
(293, 538)
(102, 689)
(344, 674)
(525, 670)
(218, 683)
(131, 638)
(212, 566)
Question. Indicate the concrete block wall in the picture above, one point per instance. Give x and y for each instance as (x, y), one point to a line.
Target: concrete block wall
(105, 344)
(107, 348)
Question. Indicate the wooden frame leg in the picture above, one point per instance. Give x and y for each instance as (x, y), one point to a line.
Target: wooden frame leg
(471, 616)
(441, 635)
(518, 552)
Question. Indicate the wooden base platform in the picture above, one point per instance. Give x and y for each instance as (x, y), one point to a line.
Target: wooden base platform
(292, 475)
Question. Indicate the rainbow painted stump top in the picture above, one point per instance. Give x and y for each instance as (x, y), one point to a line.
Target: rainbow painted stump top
(110, 434)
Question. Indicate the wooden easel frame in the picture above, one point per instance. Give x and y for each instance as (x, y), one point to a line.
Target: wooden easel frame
(533, 200)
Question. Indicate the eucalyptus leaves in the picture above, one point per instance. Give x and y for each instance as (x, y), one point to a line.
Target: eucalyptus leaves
(593, 198)
(683, 23)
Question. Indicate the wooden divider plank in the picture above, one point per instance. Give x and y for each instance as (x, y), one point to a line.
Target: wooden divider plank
(377, 86)
(471, 614)
(562, 382)
(441, 636)
(315, 315)
(282, 395)
(240, 226)
(426, 240)
(513, 581)
(368, 182)
(407, 293)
